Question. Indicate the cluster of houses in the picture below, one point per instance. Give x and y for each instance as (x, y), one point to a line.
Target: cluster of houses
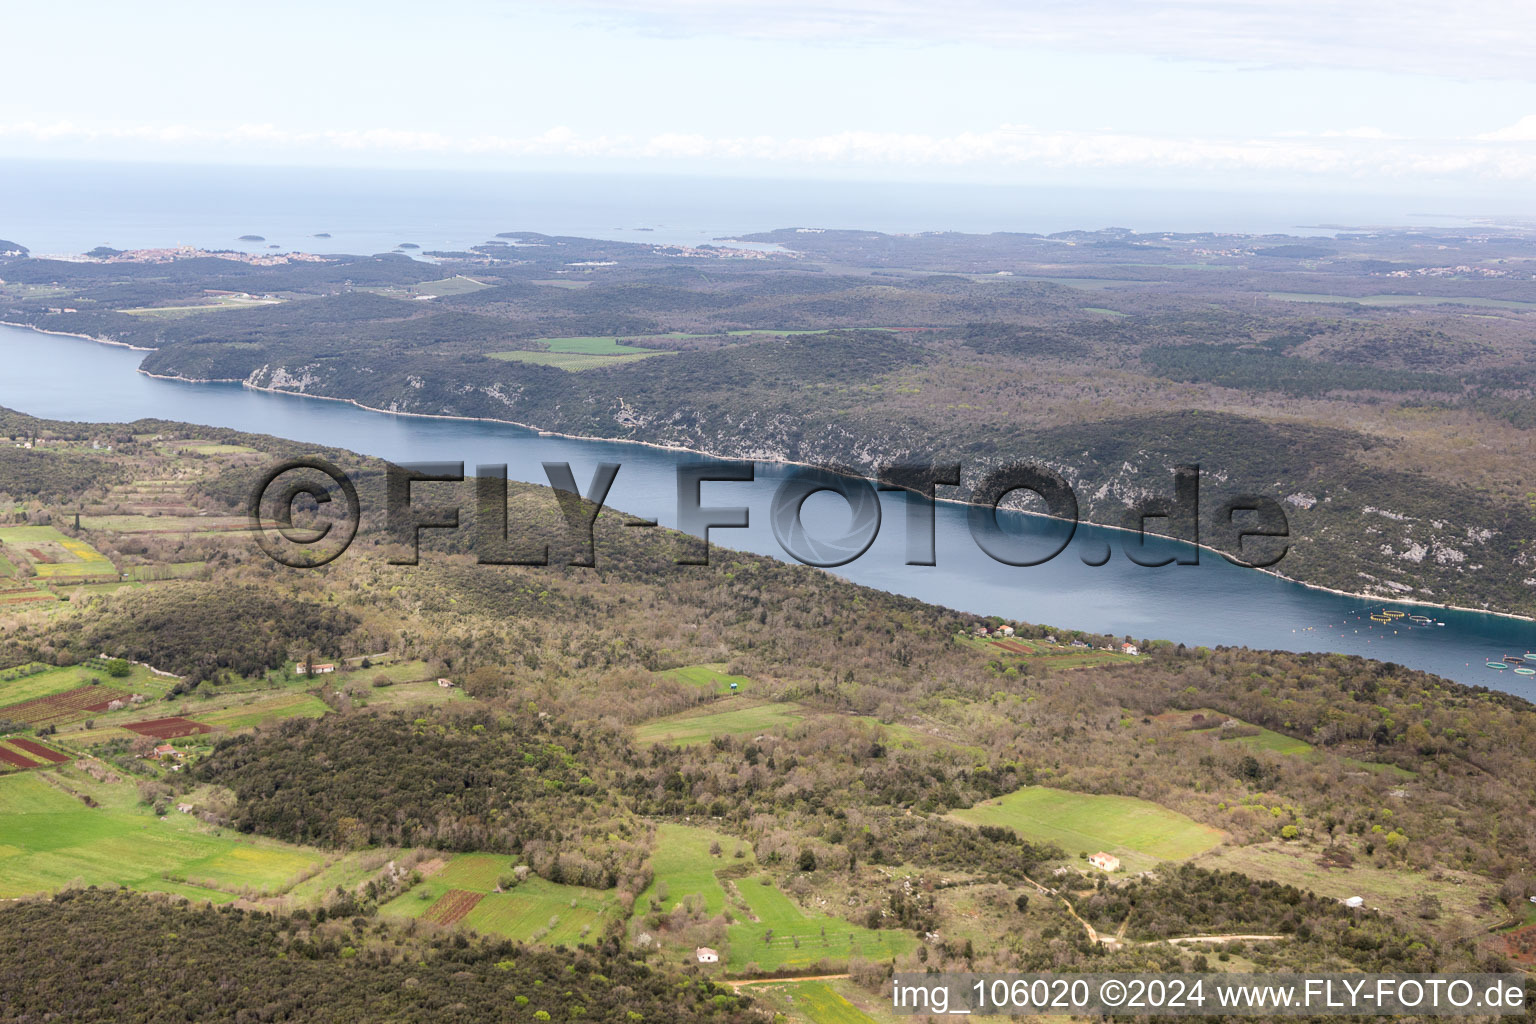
(326, 668)
(983, 630)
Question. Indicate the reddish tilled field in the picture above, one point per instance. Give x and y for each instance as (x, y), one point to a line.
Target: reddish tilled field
(38, 750)
(12, 759)
(62, 706)
(168, 728)
(1013, 646)
(452, 906)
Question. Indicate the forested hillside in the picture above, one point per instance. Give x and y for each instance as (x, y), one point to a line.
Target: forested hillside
(1377, 385)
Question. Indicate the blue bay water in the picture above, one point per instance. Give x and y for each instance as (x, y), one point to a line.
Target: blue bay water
(1212, 603)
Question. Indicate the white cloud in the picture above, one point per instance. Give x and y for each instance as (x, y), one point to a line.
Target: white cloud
(1478, 39)
(1523, 130)
(1360, 154)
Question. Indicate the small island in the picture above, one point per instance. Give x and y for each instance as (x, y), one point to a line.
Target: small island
(407, 245)
(322, 234)
(251, 238)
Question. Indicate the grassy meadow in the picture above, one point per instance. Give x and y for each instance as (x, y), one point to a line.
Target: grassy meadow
(50, 839)
(1139, 832)
(771, 931)
(733, 716)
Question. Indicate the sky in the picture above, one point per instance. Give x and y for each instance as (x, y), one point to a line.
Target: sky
(1366, 96)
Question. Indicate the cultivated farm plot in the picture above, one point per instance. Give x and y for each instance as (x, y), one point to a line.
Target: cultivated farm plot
(52, 555)
(30, 750)
(11, 758)
(1139, 832)
(257, 712)
(541, 911)
(452, 906)
(49, 839)
(771, 930)
(168, 728)
(61, 707)
(534, 910)
(730, 717)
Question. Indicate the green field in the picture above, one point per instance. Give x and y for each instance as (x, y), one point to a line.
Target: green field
(707, 677)
(62, 556)
(224, 302)
(272, 709)
(682, 862)
(575, 362)
(405, 694)
(535, 910)
(49, 839)
(1274, 742)
(211, 448)
(456, 285)
(1139, 832)
(1403, 300)
(1043, 655)
(57, 680)
(1279, 743)
(166, 571)
(817, 1002)
(577, 354)
(732, 716)
(348, 871)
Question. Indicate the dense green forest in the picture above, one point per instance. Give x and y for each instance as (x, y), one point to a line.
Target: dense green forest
(92, 956)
